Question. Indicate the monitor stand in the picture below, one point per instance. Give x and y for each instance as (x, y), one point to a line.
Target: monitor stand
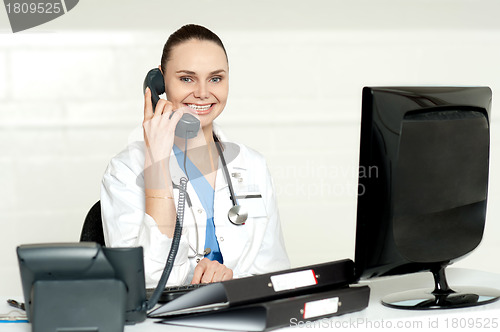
(442, 297)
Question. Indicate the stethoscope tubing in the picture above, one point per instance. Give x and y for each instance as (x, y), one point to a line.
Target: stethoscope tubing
(237, 215)
(226, 174)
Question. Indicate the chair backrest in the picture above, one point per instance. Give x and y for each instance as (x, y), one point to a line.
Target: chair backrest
(92, 226)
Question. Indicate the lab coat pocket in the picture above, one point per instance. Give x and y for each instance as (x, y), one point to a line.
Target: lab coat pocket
(253, 203)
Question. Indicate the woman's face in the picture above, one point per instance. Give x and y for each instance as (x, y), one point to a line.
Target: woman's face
(197, 76)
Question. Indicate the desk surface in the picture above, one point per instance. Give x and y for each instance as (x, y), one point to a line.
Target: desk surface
(376, 316)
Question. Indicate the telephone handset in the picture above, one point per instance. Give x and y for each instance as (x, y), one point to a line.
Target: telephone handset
(188, 126)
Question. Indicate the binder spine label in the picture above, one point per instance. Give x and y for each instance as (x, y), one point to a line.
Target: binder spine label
(293, 280)
(321, 307)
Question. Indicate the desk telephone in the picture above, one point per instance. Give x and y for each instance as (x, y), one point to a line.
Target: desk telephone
(188, 125)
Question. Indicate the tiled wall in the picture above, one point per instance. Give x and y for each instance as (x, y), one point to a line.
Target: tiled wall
(69, 102)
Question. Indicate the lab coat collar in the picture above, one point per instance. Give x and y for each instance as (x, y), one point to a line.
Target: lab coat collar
(237, 162)
(234, 166)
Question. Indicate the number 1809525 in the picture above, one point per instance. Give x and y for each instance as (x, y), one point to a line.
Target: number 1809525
(34, 7)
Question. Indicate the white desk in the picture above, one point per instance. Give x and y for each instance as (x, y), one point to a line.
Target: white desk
(376, 316)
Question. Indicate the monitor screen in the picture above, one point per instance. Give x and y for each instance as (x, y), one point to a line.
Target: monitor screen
(423, 185)
(423, 177)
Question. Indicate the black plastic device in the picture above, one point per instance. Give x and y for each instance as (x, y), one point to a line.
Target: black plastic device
(423, 183)
(188, 126)
(63, 280)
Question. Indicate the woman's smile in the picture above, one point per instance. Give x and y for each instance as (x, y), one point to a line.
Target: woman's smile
(201, 109)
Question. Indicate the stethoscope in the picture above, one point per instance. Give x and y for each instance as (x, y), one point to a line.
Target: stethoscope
(237, 214)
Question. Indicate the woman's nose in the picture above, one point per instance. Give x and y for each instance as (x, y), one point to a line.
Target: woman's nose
(201, 91)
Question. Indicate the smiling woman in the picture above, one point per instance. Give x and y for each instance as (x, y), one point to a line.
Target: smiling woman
(139, 205)
(197, 76)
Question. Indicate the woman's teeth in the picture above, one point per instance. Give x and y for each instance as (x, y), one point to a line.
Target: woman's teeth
(200, 108)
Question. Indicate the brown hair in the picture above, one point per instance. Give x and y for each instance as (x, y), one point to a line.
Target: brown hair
(185, 33)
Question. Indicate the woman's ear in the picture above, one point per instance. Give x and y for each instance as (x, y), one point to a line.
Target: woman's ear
(159, 67)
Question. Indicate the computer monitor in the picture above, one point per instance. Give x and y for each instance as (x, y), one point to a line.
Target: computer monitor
(82, 286)
(423, 182)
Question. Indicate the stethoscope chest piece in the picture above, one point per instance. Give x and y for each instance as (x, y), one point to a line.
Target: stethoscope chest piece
(238, 215)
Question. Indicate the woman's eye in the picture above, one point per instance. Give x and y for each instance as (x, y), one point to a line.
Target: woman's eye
(215, 79)
(186, 79)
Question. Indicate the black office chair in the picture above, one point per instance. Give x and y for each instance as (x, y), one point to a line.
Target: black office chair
(92, 227)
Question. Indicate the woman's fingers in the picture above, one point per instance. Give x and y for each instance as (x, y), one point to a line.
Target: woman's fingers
(159, 129)
(199, 270)
(227, 275)
(208, 271)
(218, 273)
(171, 117)
(163, 107)
(148, 105)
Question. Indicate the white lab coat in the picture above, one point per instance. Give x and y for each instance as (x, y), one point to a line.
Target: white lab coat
(253, 248)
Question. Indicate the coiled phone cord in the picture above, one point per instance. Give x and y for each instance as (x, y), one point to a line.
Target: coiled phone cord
(148, 305)
(173, 248)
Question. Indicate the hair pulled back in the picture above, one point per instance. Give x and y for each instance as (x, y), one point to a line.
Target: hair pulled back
(186, 33)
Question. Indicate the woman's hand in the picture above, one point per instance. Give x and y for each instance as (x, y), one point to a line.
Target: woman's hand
(159, 134)
(208, 271)
(159, 128)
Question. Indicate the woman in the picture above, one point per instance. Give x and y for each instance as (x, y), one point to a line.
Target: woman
(138, 201)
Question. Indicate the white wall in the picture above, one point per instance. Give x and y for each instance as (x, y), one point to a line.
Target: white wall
(70, 96)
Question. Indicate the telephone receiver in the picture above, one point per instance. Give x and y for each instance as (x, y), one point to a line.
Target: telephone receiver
(188, 126)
